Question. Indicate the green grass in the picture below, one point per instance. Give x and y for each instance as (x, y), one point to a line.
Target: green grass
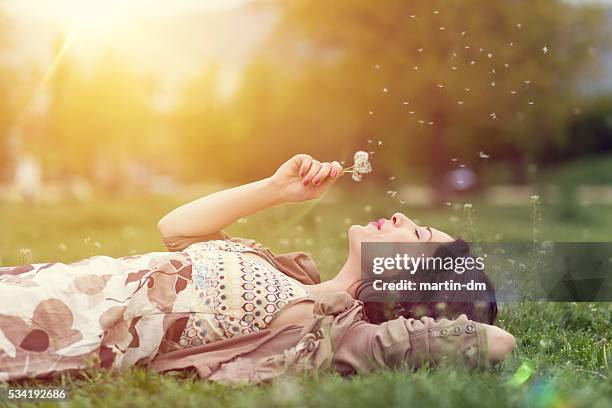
(560, 359)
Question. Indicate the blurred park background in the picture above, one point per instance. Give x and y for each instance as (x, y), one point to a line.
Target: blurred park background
(487, 116)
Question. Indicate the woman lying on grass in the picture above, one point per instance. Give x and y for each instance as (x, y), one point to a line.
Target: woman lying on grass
(230, 308)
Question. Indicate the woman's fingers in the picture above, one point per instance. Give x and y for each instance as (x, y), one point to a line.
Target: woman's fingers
(314, 169)
(336, 169)
(306, 162)
(322, 173)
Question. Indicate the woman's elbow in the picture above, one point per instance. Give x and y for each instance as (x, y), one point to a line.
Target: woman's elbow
(163, 227)
(500, 343)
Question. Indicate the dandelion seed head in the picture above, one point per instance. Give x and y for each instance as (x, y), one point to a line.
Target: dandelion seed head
(467, 206)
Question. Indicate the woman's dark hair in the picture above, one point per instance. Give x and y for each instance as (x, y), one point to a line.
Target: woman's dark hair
(480, 306)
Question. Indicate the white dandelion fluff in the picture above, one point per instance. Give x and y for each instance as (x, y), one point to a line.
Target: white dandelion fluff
(361, 165)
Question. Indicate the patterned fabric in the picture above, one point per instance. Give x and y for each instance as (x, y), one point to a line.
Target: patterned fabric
(236, 292)
(56, 317)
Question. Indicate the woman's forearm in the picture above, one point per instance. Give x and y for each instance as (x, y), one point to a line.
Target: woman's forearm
(210, 214)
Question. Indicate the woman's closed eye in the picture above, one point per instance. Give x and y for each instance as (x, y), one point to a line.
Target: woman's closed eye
(424, 234)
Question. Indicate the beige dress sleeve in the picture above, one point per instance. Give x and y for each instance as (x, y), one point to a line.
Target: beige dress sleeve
(298, 265)
(414, 343)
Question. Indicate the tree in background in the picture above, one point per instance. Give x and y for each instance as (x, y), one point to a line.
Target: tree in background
(432, 80)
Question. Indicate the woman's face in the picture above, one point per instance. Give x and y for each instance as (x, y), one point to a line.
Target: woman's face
(398, 228)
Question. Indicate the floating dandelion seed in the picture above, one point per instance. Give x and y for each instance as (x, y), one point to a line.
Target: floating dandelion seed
(62, 247)
(413, 16)
(493, 115)
(460, 102)
(513, 92)
(377, 66)
(448, 203)
(367, 208)
(430, 123)
(483, 155)
(370, 112)
(467, 205)
(361, 165)
(380, 143)
(385, 89)
(402, 202)
(463, 33)
(440, 86)
(454, 55)
(511, 44)
(492, 83)
(490, 55)
(411, 112)
(405, 102)
(507, 65)
(462, 166)
(416, 68)
(531, 102)
(422, 122)
(519, 25)
(472, 62)
(454, 159)
(442, 28)
(467, 47)
(493, 71)
(436, 12)
(369, 142)
(392, 178)
(392, 193)
(97, 245)
(545, 50)
(467, 89)
(454, 68)
(420, 49)
(527, 82)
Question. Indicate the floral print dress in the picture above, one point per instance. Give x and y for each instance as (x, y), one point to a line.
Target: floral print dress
(122, 312)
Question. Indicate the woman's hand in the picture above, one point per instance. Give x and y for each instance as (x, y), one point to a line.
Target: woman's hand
(302, 178)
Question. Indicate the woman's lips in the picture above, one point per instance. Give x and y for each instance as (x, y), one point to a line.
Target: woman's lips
(378, 224)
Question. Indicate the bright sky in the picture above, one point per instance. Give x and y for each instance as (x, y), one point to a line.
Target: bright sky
(65, 11)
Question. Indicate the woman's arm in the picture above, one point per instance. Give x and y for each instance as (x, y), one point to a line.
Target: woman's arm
(300, 178)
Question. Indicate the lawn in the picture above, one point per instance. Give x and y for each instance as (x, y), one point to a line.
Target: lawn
(562, 357)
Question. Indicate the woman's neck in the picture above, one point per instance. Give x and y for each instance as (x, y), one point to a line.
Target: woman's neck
(348, 275)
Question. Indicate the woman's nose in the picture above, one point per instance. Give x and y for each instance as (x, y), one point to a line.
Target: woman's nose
(399, 220)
